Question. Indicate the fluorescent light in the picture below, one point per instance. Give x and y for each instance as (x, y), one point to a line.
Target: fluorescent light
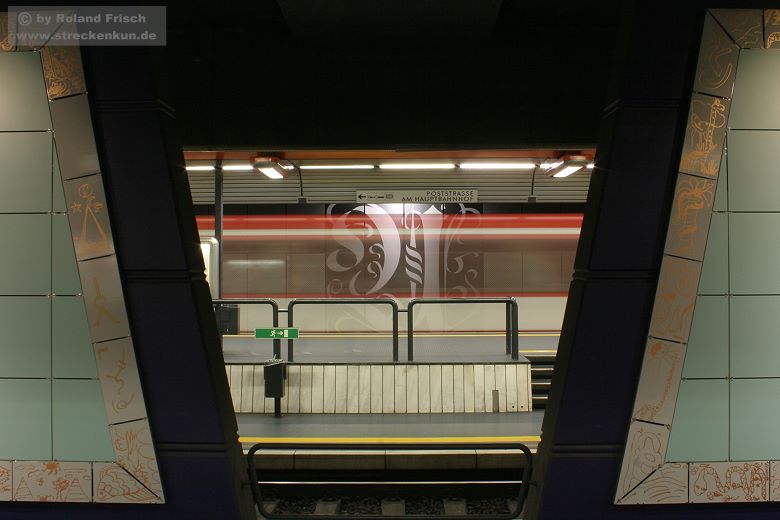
(337, 166)
(568, 170)
(199, 168)
(590, 166)
(238, 167)
(417, 166)
(497, 166)
(271, 173)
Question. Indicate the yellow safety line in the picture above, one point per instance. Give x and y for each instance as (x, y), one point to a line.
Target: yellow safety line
(388, 440)
(365, 336)
(486, 335)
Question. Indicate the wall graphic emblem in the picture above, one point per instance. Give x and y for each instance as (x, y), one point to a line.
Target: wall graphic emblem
(114, 484)
(675, 299)
(645, 449)
(91, 235)
(101, 305)
(664, 364)
(744, 26)
(52, 481)
(730, 482)
(704, 135)
(772, 27)
(121, 400)
(401, 250)
(690, 219)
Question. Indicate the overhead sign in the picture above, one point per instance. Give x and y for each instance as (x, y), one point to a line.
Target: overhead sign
(277, 333)
(417, 196)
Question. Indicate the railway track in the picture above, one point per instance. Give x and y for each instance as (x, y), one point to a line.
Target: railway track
(391, 506)
(451, 493)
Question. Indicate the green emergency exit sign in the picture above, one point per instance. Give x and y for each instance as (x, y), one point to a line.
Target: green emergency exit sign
(277, 333)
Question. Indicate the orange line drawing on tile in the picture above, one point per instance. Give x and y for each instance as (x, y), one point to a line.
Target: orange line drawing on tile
(701, 131)
(667, 360)
(99, 301)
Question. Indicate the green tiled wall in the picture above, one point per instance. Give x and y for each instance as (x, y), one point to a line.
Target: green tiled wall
(728, 405)
(23, 105)
(72, 354)
(714, 271)
(755, 419)
(702, 406)
(28, 435)
(707, 355)
(79, 421)
(50, 400)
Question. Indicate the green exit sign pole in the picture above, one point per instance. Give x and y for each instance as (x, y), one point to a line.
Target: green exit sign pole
(277, 333)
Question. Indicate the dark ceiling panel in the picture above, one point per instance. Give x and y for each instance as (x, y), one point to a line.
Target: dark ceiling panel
(390, 73)
(390, 22)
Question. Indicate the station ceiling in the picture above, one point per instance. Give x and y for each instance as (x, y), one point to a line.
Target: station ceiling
(390, 74)
(338, 176)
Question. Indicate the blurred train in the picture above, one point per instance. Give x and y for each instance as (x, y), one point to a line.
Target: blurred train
(402, 251)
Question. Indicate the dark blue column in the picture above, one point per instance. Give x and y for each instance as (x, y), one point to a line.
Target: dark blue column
(616, 271)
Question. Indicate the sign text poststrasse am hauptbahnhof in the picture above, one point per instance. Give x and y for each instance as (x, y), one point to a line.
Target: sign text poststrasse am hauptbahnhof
(417, 196)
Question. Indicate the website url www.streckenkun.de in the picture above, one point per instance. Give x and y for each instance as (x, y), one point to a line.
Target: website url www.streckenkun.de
(88, 35)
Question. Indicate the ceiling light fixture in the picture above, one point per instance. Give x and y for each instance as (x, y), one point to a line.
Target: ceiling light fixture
(337, 166)
(270, 167)
(549, 166)
(199, 168)
(566, 171)
(496, 166)
(417, 166)
(271, 173)
(567, 165)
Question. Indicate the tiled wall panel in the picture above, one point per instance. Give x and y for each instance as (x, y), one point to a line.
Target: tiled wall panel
(702, 406)
(723, 433)
(44, 335)
(25, 107)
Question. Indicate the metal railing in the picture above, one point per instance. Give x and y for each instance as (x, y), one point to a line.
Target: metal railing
(525, 483)
(511, 320)
(344, 301)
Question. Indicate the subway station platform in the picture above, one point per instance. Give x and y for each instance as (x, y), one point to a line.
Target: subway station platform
(386, 441)
(366, 348)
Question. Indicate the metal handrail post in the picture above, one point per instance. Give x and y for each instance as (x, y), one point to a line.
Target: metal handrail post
(394, 306)
(515, 329)
(508, 327)
(410, 330)
(290, 324)
(277, 342)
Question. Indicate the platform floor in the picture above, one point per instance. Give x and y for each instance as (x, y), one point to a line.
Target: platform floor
(365, 348)
(486, 428)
